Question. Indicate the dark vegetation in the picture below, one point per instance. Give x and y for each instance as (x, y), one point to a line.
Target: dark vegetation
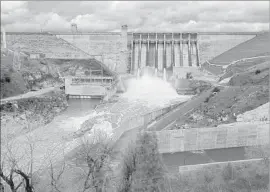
(143, 169)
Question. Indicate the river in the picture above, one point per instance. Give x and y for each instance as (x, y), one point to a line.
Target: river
(174, 160)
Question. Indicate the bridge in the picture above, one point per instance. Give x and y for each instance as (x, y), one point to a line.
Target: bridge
(92, 79)
(90, 87)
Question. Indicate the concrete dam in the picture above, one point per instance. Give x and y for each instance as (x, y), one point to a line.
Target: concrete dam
(164, 50)
(125, 52)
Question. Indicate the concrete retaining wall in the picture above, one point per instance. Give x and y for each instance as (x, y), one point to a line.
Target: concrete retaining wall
(196, 173)
(218, 165)
(109, 48)
(223, 136)
(140, 120)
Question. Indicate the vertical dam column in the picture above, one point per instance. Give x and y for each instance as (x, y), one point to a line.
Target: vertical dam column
(143, 55)
(160, 51)
(189, 51)
(156, 53)
(197, 53)
(185, 54)
(181, 50)
(151, 56)
(140, 52)
(177, 54)
(193, 54)
(173, 58)
(4, 40)
(136, 56)
(164, 50)
(168, 55)
(148, 57)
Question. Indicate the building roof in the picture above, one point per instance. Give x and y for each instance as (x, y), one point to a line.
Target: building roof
(103, 66)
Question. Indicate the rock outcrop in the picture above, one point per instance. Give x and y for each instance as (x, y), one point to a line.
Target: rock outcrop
(23, 115)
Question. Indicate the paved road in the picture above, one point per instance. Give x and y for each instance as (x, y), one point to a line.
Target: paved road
(180, 112)
(29, 94)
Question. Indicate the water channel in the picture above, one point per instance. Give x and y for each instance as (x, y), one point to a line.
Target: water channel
(50, 142)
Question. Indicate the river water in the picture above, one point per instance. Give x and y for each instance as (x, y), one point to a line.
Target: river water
(49, 142)
(174, 160)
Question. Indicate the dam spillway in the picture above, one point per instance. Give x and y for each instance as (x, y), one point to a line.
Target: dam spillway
(164, 50)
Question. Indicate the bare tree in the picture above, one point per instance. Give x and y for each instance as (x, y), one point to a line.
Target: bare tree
(128, 168)
(93, 158)
(55, 178)
(143, 169)
(12, 174)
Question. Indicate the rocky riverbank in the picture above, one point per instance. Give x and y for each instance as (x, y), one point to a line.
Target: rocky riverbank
(23, 115)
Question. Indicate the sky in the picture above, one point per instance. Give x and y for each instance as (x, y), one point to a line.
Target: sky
(143, 16)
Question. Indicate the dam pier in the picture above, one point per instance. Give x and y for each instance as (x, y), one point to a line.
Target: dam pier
(161, 51)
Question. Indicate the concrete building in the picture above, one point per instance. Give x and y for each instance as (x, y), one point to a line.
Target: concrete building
(90, 79)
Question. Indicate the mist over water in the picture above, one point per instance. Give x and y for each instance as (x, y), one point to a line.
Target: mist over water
(151, 90)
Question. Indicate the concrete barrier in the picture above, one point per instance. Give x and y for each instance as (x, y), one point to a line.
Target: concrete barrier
(140, 120)
(194, 171)
(223, 136)
(217, 164)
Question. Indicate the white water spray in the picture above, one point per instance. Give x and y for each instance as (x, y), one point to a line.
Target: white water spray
(138, 73)
(152, 91)
(164, 74)
(156, 72)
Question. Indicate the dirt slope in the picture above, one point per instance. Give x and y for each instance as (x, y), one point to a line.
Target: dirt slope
(256, 46)
(224, 105)
(256, 75)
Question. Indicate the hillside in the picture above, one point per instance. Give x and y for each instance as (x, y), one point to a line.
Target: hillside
(255, 47)
(242, 66)
(255, 75)
(12, 82)
(243, 86)
(45, 43)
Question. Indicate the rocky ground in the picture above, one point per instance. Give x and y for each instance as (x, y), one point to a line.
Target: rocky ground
(242, 88)
(20, 116)
(28, 75)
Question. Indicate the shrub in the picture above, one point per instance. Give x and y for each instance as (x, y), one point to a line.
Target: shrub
(216, 90)
(206, 100)
(87, 73)
(189, 75)
(7, 79)
(150, 173)
(257, 71)
(227, 173)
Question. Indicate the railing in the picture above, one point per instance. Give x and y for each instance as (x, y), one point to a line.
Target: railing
(94, 80)
(141, 120)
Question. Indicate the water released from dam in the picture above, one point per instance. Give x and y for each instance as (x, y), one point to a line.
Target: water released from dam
(144, 93)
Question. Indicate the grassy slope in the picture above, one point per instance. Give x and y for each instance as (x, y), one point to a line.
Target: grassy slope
(255, 75)
(17, 82)
(12, 82)
(225, 103)
(257, 46)
(249, 88)
(242, 66)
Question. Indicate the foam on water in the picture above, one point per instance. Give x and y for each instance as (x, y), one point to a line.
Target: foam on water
(152, 91)
(100, 132)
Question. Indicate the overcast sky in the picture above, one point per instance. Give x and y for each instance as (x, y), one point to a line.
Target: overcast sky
(138, 15)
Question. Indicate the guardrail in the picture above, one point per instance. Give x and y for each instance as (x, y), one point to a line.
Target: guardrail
(141, 120)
